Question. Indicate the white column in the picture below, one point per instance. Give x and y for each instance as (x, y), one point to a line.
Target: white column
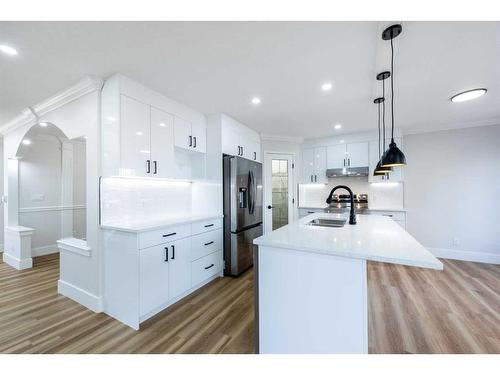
(66, 188)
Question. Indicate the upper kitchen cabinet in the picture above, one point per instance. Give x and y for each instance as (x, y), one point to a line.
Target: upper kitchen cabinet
(347, 155)
(141, 129)
(397, 173)
(190, 136)
(237, 139)
(314, 165)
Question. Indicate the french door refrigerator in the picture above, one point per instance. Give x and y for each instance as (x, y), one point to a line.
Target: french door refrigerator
(242, 212)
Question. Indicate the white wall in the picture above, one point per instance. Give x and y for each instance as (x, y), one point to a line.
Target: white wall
(452, 190)
(1, 193)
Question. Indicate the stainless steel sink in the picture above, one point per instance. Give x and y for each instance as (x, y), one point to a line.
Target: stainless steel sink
(335, 223)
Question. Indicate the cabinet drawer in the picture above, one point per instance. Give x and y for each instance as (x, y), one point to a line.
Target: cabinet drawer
(206, 267)
(206, 243)
(159, 236)
(206, 225)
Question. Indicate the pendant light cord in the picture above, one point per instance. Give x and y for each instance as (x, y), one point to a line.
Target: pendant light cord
(383, 113)
(379, 154)
(392, 91)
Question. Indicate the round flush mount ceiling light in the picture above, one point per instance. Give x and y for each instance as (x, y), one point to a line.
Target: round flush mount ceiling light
(327, 86)
(255, 100)
(8, 50)
(468, 95)
(43, 124)
(337, 126)
(26, 142)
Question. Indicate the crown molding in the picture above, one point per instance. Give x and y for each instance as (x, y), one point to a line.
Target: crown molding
(281, 138)
(30, 115)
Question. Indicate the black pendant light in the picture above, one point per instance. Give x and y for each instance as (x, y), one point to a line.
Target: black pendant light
(393, 157)
(379, 170)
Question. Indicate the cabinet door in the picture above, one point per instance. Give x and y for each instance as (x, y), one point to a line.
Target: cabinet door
(135, 138)
(162, 143)
(230, 140)
(357, 154)
(308, 165)
(154, 278)
(254, 148)
(182, 133)
(199, 133)
(179, 267)
(336, 155)
(320, 165)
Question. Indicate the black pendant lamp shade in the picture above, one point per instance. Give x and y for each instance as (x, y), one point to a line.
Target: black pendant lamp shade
(393, 156)
(379, 170)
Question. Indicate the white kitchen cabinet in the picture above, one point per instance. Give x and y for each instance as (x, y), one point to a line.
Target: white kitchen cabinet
(147, 271)
(179, 267)
(154, 274)
(397, 173)
(135, 138)
(314, 165)
(239, 140)
(357, 154)
(162, 150)
(347, 155)
(189, 136)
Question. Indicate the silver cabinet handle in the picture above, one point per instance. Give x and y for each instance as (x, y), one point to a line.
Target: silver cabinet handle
(155, 167)
(190, 141)
(166, 254)
(194, 138)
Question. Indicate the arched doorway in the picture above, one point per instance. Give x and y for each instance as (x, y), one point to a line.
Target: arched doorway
(48, 174)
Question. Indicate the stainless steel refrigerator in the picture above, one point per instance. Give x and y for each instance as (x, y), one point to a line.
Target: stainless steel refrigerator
(242, 212)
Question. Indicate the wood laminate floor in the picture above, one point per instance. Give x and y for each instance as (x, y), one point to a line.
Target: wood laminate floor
(410, 311)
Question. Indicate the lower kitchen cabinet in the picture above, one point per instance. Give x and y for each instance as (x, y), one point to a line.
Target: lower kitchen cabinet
(145, 272)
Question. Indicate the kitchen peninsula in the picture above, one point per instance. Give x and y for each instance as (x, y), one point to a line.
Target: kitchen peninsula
(311, 277)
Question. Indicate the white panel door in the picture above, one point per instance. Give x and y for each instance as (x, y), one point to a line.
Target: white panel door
(336, 155)
(154, 279)
(357, 154)
(135, 138)
(308, 165)
(320, 165)
(199, 134)
(179, 267)
(162, 143)
(182, 133)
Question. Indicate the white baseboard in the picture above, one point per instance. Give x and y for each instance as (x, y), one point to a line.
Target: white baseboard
(44, 250)
(89, 300)
(19, 264)
(470, 256)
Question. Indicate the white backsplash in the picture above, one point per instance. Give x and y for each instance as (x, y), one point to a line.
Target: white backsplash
(380, 195)
(136, 200)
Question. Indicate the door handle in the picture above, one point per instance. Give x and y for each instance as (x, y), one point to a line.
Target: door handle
(209, 243)
(349, 162)
(209, 225)
(166, 254)
(148, 166)
(169, 234)
(269, 207)
(190, 141)
(194, 138)
(315, 178)
(254, 155)
(311, 178)
(344, 162)
(155, 167)
(242, 152)
(173, 252)
(210, 266)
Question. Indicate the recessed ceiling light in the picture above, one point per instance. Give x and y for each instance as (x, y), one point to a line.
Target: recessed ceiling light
(327, 86)
(138, 133)
(43, 124)
(162, 124)
(341, 141)
(26, 142)
(8, 50)
(337, 126)
(468, 95)
(256, 100)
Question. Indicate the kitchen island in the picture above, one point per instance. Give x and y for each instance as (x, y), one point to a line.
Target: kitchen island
(311, 281)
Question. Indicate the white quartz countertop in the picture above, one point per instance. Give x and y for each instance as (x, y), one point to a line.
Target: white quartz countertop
(144, 226)
(374, 237)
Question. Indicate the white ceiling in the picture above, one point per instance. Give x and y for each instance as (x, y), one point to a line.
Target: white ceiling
(220, 66)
